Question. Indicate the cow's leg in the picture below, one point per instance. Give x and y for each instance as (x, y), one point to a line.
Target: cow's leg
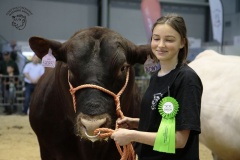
(45, 153)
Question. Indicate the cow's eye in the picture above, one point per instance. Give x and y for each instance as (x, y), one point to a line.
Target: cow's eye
(124, 68)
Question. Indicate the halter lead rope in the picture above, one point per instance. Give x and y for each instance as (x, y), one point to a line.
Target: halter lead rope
(128, 152)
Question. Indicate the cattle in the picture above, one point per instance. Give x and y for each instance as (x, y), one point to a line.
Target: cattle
(220, 111)
(64, 125)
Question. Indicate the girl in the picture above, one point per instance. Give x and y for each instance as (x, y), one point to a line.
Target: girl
(175, 84)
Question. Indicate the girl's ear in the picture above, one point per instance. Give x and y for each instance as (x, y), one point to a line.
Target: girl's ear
(183, 43)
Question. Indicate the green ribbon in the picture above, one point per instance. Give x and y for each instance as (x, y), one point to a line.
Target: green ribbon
(165, 139)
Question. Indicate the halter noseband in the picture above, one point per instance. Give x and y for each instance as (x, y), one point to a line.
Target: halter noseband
(115, 96)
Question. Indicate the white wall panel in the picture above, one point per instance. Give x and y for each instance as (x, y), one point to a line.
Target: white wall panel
(55, 20)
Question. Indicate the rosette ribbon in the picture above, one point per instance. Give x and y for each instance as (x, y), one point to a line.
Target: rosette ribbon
(165, 139)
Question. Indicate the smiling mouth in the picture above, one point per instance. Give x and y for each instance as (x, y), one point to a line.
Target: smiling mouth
(161, 52)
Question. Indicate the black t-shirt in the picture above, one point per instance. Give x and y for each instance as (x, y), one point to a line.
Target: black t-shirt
(186, 87)
(4, 64)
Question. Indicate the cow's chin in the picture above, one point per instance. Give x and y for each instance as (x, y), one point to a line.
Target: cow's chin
(86, 125)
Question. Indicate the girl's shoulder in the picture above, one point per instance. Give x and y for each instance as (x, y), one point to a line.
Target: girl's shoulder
(188, 75)
(187, 71)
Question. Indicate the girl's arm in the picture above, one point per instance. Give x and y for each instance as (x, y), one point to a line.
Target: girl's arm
(125, 136)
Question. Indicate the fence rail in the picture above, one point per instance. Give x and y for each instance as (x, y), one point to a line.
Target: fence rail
(18, 81)
(142, 83)
(12, 91)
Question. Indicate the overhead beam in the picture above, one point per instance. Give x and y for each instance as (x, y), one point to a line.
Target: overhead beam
(185, 2)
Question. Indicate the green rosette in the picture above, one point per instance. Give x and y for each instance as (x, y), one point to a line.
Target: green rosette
(165, 139)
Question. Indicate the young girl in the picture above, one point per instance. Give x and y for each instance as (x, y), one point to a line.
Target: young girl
(10, 83)
(175, 84)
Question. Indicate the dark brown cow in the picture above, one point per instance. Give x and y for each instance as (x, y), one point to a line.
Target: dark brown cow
(96, 56)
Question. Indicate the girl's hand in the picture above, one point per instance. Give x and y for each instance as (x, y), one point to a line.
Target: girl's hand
(122, 136)
(128, 123)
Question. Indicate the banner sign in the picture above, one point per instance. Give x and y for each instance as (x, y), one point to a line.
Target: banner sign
(216, 10)
(151, 11)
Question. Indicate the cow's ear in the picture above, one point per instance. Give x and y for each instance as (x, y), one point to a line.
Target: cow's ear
(138, 53)
(41, 46)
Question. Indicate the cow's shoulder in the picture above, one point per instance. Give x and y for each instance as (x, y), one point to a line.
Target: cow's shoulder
(206, 54)
(213, 57)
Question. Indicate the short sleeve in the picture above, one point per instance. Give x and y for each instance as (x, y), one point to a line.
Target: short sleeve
(26, 69)
(189, 89)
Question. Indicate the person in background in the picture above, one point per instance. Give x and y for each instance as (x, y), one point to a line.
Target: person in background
(174, 90)
(32, 73)
(7, 61)
(10, 83)
(13, 45)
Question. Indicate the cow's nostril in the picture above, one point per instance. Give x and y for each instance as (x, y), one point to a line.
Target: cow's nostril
(91, 125)
(102, 126)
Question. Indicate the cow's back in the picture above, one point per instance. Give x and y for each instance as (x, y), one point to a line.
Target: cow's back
(220, 112)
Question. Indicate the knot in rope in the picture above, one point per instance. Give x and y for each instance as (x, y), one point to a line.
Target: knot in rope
(127, 153)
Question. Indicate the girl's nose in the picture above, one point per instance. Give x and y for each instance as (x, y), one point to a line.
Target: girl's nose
(161, 44)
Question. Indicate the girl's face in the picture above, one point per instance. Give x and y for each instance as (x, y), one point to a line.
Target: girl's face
(166, 43)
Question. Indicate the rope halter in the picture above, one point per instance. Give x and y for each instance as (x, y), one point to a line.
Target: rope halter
(115, 96)
(128, 152)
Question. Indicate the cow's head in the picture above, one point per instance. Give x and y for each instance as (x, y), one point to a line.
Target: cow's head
(101, 57)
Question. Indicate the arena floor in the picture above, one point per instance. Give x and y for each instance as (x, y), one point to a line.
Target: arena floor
(18, 141)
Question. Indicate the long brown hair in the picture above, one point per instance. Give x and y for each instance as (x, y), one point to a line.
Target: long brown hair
(176, 22)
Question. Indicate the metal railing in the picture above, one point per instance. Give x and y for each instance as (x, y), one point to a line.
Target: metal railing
(18, 91)
(11, 90)
(142, 83)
